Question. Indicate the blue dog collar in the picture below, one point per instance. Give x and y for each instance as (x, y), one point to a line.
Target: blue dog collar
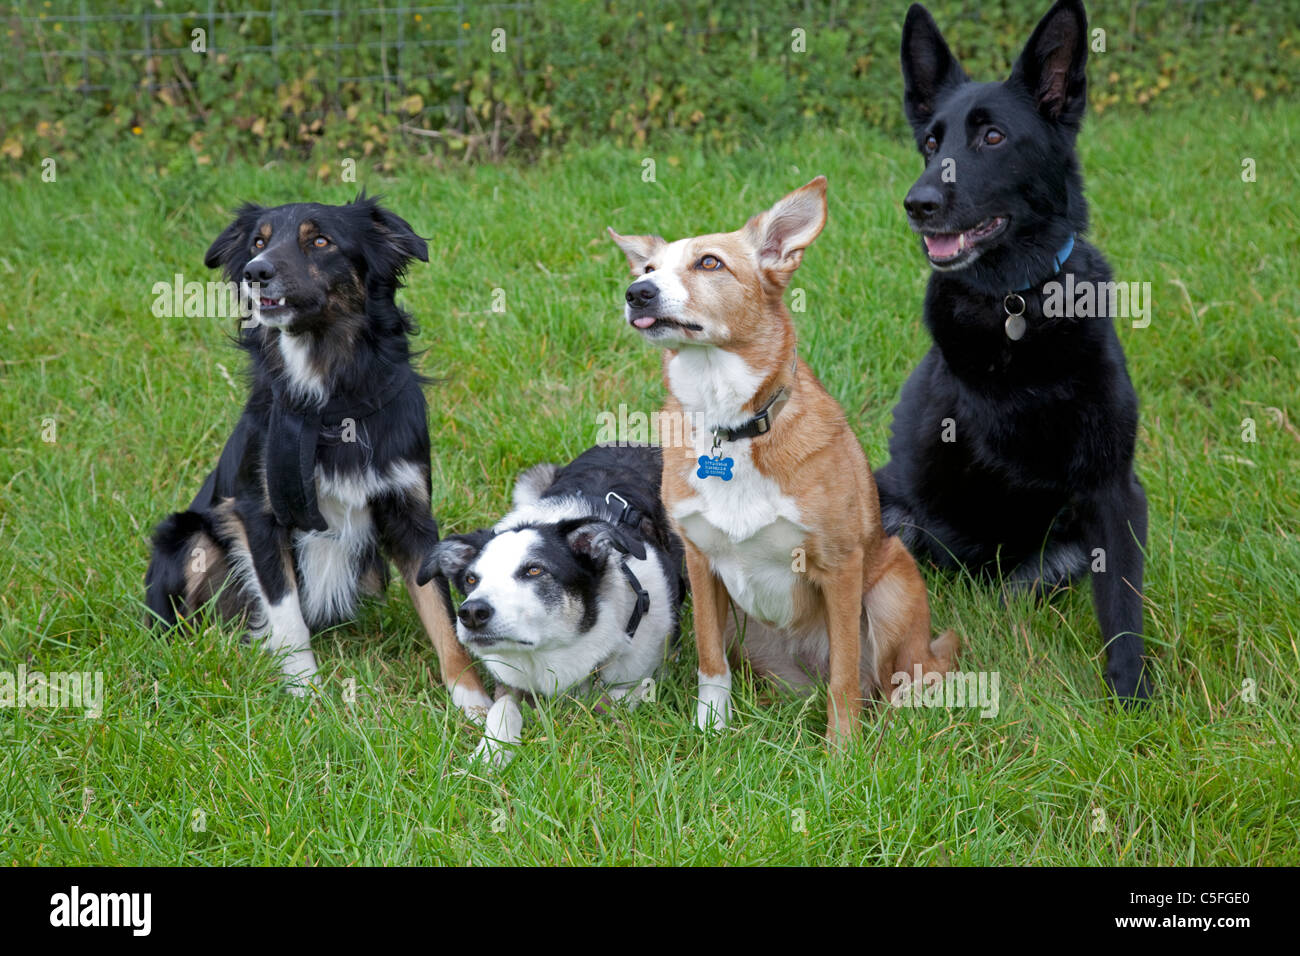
(1057, 263)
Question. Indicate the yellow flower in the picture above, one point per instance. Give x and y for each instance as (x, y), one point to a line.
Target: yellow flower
(137, 130)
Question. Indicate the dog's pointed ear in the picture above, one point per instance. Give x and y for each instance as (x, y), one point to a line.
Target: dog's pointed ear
(452, 555)
(638, 249)
(929, 68)
(230, 250)
(783, 232)
(596, 540)
(1052, 66)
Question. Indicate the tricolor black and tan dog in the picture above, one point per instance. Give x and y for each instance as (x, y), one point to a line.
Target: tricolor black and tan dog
(1013, 441)
(325, 478)
(578, 588)
(772, 493)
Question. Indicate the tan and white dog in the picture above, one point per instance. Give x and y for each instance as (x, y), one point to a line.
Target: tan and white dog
(771, 492)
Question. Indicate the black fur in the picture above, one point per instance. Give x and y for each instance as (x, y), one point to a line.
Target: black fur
(343, 311)
(1038, 471)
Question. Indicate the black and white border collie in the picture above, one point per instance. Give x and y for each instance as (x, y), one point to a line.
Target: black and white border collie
(579, 587)
(325, 478)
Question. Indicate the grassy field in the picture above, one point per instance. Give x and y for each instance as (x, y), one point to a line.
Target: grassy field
(199, 757)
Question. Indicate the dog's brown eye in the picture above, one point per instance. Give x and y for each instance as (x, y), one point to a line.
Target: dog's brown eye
(533, 571)
(993, 137)
(931, 144)
(649, 269)
(709, 263)
(471, 580)
(320, 242)
(259, 242)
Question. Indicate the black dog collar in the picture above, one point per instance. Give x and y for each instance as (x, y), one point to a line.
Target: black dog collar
(761, 423)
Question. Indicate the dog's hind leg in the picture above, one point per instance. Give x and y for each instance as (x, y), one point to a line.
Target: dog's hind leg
(898, 618)
(188, 569)
(895, 514)
(1046, 574)
(167, 581)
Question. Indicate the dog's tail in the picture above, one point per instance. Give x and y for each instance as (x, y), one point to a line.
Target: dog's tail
(165, 583)
(944, 649)
(534, 481)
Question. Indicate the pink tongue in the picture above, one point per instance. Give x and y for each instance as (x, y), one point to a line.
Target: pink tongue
(942, 246)
(645, 321)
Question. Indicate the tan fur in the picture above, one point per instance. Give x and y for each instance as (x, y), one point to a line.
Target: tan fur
(861, 588)
(453, 660)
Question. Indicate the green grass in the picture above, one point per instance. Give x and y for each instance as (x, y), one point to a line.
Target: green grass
(199, 724)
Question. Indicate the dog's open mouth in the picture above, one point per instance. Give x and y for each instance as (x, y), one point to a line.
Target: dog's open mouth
(946, 248)
(646, 323)
(267, 304)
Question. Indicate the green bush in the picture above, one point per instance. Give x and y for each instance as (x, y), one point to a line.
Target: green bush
(291, 79)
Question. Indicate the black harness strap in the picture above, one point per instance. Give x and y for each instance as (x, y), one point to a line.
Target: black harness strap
(290, 455)
(629, 517)
(642, 604)
(294, 435)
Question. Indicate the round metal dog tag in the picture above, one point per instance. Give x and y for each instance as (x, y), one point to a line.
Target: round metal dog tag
(1015, 323)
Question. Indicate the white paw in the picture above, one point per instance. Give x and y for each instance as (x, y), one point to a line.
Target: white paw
(630, 697)
(474, 704)
(713, 708)
(300, 675)
(644, 691)
(504, 729)
(492, 754)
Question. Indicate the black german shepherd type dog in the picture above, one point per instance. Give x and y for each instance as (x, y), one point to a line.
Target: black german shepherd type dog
(1013, 440)
(326, 476)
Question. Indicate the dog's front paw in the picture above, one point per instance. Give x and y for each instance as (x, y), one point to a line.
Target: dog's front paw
(1130, 682)
(300, 675)
(503, 730)
(713, 707)
(303, 691)
(492, 754)
(473, 703)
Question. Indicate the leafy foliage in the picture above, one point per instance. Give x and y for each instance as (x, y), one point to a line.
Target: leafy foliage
(482, 81)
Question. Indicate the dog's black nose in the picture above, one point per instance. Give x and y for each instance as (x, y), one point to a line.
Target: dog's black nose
(641, 294)
(474, 614)
(923, 202)
(259, 270)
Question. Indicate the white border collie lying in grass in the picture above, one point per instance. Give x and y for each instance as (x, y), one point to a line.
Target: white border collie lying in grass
(578, 587)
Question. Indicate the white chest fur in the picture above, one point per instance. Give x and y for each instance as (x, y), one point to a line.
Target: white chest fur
(329, 561)
(749, 530)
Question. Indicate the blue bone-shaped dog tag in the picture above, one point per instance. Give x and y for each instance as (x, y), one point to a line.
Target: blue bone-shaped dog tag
(715, 468)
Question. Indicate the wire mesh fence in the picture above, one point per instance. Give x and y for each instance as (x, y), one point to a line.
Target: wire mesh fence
(556, 67)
